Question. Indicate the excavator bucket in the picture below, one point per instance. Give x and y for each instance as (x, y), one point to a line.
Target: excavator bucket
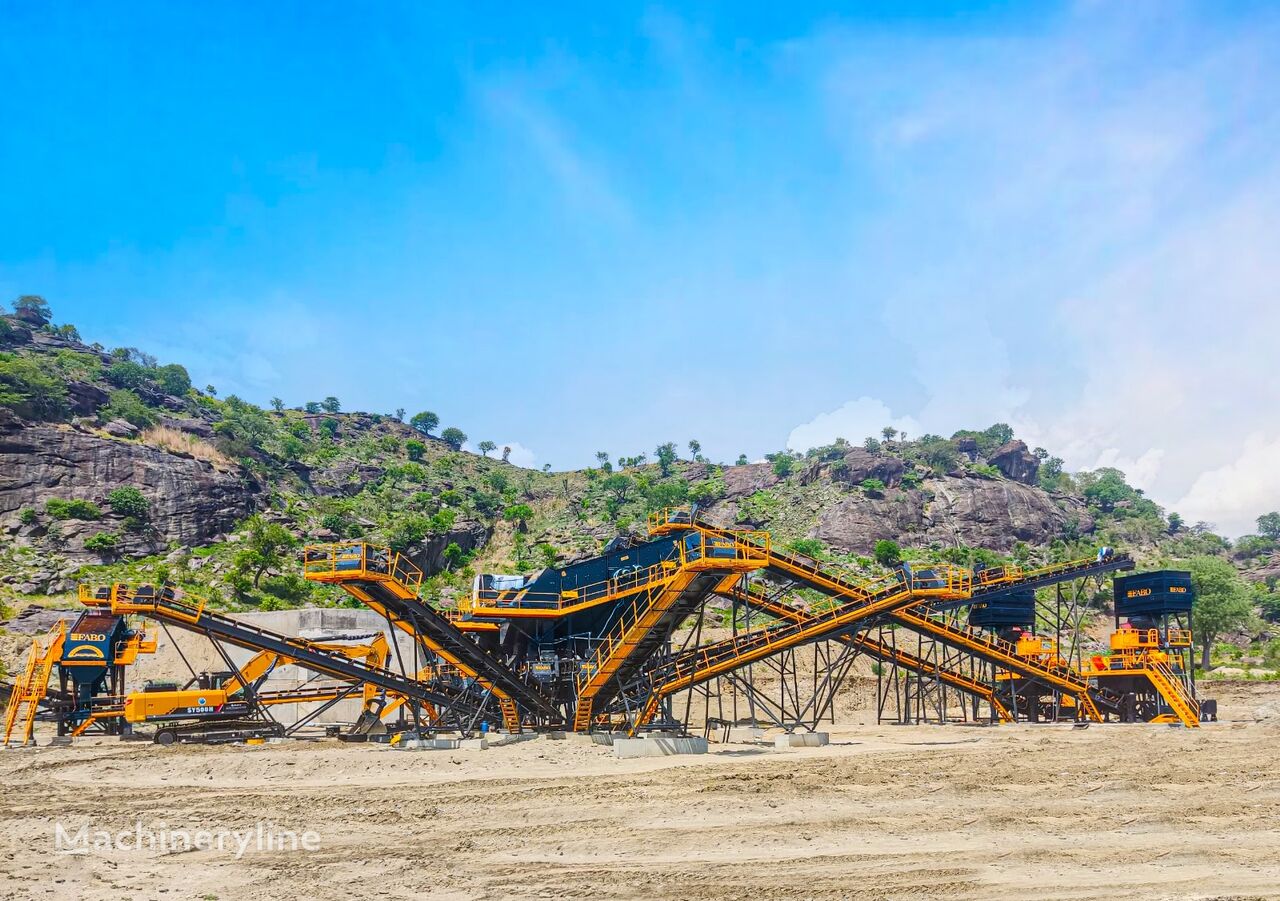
(368, 723)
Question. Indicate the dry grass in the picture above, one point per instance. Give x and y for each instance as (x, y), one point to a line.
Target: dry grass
(181, 442)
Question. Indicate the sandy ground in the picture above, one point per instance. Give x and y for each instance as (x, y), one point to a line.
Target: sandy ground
(926, 812)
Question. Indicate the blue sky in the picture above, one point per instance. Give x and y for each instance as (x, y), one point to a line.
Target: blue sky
(610, 225)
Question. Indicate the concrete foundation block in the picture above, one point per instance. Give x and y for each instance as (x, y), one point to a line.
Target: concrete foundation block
(603, 738)
(439, 744)
(802, 740)
(626, 748)
(473, 744)
(554, 736)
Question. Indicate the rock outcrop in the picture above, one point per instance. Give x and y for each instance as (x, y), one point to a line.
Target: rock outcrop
(744, 481)
(192, 503)
(975, 512)
(428, 555)
(855, 467)
(1016, 462)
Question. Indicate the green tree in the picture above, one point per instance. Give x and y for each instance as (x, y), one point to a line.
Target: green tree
(998, 434)
(245, 423)
(695, 449)
(1175, 523)
(454, 556)
(454, 437)
(210, 390)
(128, 374)
(264, 547)
(425, 421)
(873, 487)
(872, 445)
(288, 587)
(666, 494)
(783, 464)
(1269, 525)
(102, 543)
(938, 454)
(174, 379)
(77, 508)
(1222, 602)
(132, 504)
(665, 454)
(1107, 487)
(1051, 471)
(809, 547)
(518, 513)
(29, 390)
(408, 531)
(887, 553)
(312, 407)
(33, 308)
(124, 404)
(742, 460)
(415, 449)
(277, 404)
(399, 414)
(486, 447)
(888, 433)
(330, 404)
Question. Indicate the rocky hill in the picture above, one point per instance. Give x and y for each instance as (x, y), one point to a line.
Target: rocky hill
(113, 466)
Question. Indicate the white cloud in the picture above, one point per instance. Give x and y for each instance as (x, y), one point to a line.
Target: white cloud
(520, 455)
(854, 421)
(1234, 495)
(1079, 239)
(1141, 472)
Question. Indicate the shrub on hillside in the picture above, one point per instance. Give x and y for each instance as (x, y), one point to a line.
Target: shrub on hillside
(132, 504)
(30, 390)
(887, 553)
(103, 543)
(289, 587)
(174, 379)
(73, 509)
(128, 374)
(126, 405)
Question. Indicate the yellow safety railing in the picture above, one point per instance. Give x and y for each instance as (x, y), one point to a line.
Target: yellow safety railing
(661, 520)
(129, 600)
(708, 552)
(998, 575)
(358, 560)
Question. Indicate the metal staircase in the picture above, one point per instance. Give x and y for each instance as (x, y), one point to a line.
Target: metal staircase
(704, 562)
(32, 685)
(1173, 690)
(389, 584)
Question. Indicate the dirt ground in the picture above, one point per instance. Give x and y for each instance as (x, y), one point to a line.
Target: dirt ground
(1008, 812)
